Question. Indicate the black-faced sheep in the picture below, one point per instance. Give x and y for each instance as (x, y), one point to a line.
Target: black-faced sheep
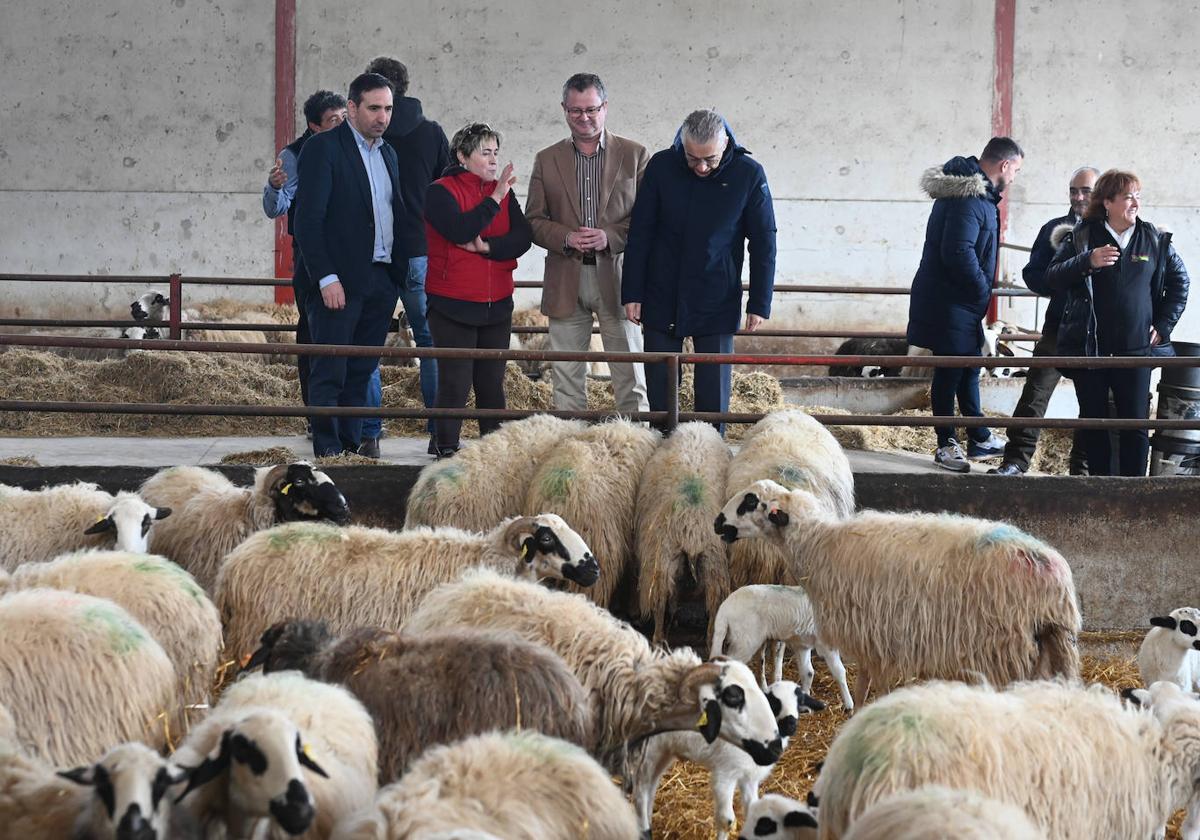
(591, 480)
(777, 817)
(482, 681)
(1171, 650)
(682, 489)
(869, 347)
(937, 811)
(515, 785)
(79, 674)
(283, 752)
(149, 306)
(921, 596)
(214, 515)
(39, 525)
(351, 577)
(793, 449)
(636, 690)
(486, 481)
(1078, 763)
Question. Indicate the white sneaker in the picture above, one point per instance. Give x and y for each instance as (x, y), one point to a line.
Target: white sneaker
(951, 457)
(990, 448)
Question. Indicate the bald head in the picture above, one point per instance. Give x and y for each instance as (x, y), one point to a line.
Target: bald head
(1082, 182)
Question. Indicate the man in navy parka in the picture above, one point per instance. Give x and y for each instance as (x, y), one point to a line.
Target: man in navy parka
(699, 203)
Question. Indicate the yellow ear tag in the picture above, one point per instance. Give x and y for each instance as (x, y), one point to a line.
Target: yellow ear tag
(100, 519)
(703, 722)
(524, 550)
(307, 750)
(285, 488)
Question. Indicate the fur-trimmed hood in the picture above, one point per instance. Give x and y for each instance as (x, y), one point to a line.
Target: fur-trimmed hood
(958, 177)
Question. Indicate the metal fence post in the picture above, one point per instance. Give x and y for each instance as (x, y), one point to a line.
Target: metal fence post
(672, 394)
(176, 315)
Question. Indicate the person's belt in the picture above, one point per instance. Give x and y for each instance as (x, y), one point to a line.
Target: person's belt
(589, 258)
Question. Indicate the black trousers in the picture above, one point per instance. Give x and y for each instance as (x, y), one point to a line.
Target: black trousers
(300, 281)
(1035, 397)
(1130, 388)
(456, 377)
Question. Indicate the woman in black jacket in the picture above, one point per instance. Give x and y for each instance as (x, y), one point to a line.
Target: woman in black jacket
(1125, 291)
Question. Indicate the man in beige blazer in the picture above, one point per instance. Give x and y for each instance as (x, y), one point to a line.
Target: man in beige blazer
(581, 195)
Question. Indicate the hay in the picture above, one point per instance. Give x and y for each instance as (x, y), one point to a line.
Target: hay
(261, 457)
(346, 459)
(20, 461)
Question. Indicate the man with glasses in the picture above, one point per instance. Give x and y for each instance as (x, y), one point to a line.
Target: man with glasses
(700, 202)
(1041, 382)
(581, 194)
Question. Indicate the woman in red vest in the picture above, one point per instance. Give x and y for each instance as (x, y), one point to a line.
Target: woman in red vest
(476, 231)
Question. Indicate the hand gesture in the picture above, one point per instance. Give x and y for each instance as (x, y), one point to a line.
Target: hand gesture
(1104, 256)
(633, 312)
(1155, 338)
(277, 177)
(753, 321)
(589, 239)
(504, 183)
(333, 295)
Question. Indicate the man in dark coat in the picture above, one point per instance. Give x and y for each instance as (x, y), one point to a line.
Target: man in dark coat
(953, 285)
(349, 221)
(1041, 382)
(699, 203)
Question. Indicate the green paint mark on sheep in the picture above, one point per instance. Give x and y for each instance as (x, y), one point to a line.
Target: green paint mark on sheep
(285, 537)
(793, 477)
(123, 635)
(692, 491)
(556, 484)
(185, 581)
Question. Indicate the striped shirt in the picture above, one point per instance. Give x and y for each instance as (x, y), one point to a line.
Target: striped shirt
(588, 171)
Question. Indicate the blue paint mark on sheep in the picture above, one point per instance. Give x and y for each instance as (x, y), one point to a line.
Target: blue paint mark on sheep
(793, 477)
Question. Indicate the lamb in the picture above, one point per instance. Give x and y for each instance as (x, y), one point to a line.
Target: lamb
(776, 817)
(39, 525)
(482, 681)
(636, 690)
(354, 576)
(591, 480)
(283, 749)
(486, 481)
(869, 347)
(156, 592)
(936, 811)
(79, 674)
(681, 491)
(795, 450)
(1078, 763)
(730, 766)
(957, 596)
(1171, 650)
(515, 785)
(149, 306)
(217, 516)
(765, 612)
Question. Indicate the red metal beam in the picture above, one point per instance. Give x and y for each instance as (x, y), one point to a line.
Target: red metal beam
(1002, 101)
(285, 125)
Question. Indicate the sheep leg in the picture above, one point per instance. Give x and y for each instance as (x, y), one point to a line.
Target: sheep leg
(779, 646)
(646, 778)
(1190, 830)
(762, 665)
(660, 623)
(802, 654)
(862, 685)
(723, 817)
(833, 660)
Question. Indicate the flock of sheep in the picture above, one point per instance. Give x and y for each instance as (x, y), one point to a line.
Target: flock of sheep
(466, 677)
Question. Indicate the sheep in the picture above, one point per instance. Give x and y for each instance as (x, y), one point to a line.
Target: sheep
(39, 525)
(760, 613)
(795, 450)
(936, 811)
(283, 749)
(681, 490)
(79, 674)
(869, 347)
(482, 681)
(1171, 650)
(485, 482)
(921, 596)
(157, 593)
(636, 690)
(591, 480)
(777, 817)
(216, 517)
(730, 766)
(353, 576)
(149, 306)
(515, 785)
(1077, 762)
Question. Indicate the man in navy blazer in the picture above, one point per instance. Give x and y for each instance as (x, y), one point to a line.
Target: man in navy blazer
(349, 225)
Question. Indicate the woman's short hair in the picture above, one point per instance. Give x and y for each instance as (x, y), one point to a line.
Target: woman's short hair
(470, 137)
(1108, 186)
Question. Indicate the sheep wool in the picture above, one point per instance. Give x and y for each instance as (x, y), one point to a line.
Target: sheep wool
(520, 786)
(485, 482)
(80, 674)
(591, 480)
(793, 449)
(157, 593)
(937, 811)
(681, 492)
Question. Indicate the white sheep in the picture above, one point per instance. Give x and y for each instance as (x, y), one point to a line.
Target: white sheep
(212, 515)
(636, 690)
(156, 592)
(149, 306)
(1171, 650)
(921, 596)
(777, 817)
(682, 489)
(39, 525)
(355, 576)
(793, 449)
(515, 785)
(760, 613)
(730, 767)
(1074, 759)
(936, 811)
(79, 674)
(485, 482)
(282, 750)
(591, 480)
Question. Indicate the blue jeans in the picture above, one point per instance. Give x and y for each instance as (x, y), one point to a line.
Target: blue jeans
(962, 383)
(712, 383)
(372, 427)
(413, 298)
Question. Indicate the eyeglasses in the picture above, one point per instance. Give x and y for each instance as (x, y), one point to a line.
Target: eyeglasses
(576, 113)
(1081, 190)
(477, 128)
(711, 161)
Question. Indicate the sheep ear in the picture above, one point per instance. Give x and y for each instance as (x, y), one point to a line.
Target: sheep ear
(519, 531)
(799, 819)
(776, 516)
(210, 768)
(306, 760)
(162, 512)
(80, 775)
(1163, 621)
(709, 724)
(259, 657)
(807, 701)
(100, 526)
(1137, 696)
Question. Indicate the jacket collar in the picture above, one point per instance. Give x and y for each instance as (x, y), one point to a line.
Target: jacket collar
(958, 177)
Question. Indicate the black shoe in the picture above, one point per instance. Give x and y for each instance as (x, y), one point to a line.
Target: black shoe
(1007, 468)
(369, 448)
(446, 452)
(432, 448)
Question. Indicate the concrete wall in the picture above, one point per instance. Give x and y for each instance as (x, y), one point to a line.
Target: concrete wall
(142, 147)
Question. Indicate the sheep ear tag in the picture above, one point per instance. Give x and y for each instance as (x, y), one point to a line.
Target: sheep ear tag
(283, 491)
(776, 516)
(525, 554)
